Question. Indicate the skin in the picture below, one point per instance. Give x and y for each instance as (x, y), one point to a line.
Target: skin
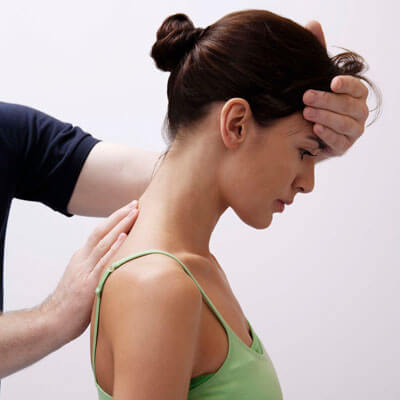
(339, 118)
(125, 171)
(29, 335)
(227, 161)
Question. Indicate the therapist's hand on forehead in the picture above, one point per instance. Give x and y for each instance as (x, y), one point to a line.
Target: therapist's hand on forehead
(339, 118)
(28, 335)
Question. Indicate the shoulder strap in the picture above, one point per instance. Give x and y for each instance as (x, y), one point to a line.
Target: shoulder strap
(116, 265)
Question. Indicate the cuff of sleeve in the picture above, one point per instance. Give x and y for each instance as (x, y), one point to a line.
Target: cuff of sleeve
(76, 162)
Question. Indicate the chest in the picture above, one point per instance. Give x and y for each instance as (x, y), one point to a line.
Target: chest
(213, 344)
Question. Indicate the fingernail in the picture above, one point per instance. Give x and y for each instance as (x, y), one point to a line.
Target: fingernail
(310, 96)
(121, 236)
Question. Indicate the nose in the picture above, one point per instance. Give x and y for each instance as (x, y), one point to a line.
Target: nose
(305, 179)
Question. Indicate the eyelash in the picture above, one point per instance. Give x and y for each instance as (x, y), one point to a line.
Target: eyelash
(302, 152)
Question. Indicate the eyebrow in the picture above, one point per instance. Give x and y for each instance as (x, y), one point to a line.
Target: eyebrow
(321, 144)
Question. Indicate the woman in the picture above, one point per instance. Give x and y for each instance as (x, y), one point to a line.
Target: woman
(170, 326)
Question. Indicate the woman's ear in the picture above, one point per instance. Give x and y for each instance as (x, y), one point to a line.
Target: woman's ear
(234, 115)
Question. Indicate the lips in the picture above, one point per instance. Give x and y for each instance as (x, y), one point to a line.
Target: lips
(280, 205)
(286, 202)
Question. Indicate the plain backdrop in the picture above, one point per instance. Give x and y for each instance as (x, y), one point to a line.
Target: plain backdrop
(320, 284)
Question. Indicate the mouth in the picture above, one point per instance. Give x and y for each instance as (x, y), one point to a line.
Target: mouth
(286, 202)
(280, 205)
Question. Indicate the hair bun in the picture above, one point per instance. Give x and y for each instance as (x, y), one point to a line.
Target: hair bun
(175, 38)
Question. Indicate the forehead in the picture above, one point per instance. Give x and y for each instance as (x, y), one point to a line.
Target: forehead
(298, 127)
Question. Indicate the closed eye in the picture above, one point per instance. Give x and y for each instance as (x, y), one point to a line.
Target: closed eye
(305, 152)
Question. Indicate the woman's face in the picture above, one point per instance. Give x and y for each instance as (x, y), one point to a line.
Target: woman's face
(264, 164)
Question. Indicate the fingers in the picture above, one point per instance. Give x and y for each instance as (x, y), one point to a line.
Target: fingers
(106, 259)
(337, 144)
(121, 238)
(104, 245)
(101, 230)
(342, 104)
(350, 85)
(337, 122)
(339, 118)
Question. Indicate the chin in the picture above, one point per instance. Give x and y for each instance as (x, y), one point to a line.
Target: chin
(262, 221)
(265, 223)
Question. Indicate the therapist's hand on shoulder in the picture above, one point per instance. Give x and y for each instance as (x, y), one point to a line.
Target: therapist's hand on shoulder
(339, 117)
(70, 305)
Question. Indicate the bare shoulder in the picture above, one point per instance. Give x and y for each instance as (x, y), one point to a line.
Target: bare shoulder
(151, 317)
(156, 280)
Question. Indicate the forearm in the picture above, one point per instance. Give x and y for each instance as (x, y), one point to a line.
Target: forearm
(26, 336)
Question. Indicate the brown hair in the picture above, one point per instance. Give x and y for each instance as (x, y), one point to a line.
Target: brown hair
(262, 57)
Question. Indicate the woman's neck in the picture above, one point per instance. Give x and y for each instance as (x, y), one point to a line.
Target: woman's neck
(182, 204)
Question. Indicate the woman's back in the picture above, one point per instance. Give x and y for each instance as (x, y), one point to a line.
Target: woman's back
(215, 352)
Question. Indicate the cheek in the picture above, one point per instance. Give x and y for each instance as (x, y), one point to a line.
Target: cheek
(280, 176)
(250, 188)
(258, 184)
(250, 195)
(241, 187)
(235, 186)
(273, 181)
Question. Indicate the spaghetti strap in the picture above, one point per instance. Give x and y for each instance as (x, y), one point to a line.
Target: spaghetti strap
(116, 265)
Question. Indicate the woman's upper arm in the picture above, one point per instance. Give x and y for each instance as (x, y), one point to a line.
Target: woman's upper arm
(152, 325)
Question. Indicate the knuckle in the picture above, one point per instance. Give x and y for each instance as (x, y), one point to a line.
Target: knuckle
(365, 90)
(344, 125)
(325, 98)
(349, 125)
(361, 108)
(334, 140)
(365, 112)
(350, 104)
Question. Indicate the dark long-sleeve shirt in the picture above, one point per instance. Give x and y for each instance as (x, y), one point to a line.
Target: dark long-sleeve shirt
(40, 160)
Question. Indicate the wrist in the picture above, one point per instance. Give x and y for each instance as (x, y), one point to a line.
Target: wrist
(52, 316)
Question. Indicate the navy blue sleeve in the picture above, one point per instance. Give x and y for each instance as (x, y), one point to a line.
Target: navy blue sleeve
(45, 155)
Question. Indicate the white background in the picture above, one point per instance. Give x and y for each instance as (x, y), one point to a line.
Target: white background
(320, 285)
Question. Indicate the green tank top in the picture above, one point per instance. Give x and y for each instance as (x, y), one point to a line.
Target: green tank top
(247, 372)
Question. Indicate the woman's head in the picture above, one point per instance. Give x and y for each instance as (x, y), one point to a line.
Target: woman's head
(242, 80)
(264, 165)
